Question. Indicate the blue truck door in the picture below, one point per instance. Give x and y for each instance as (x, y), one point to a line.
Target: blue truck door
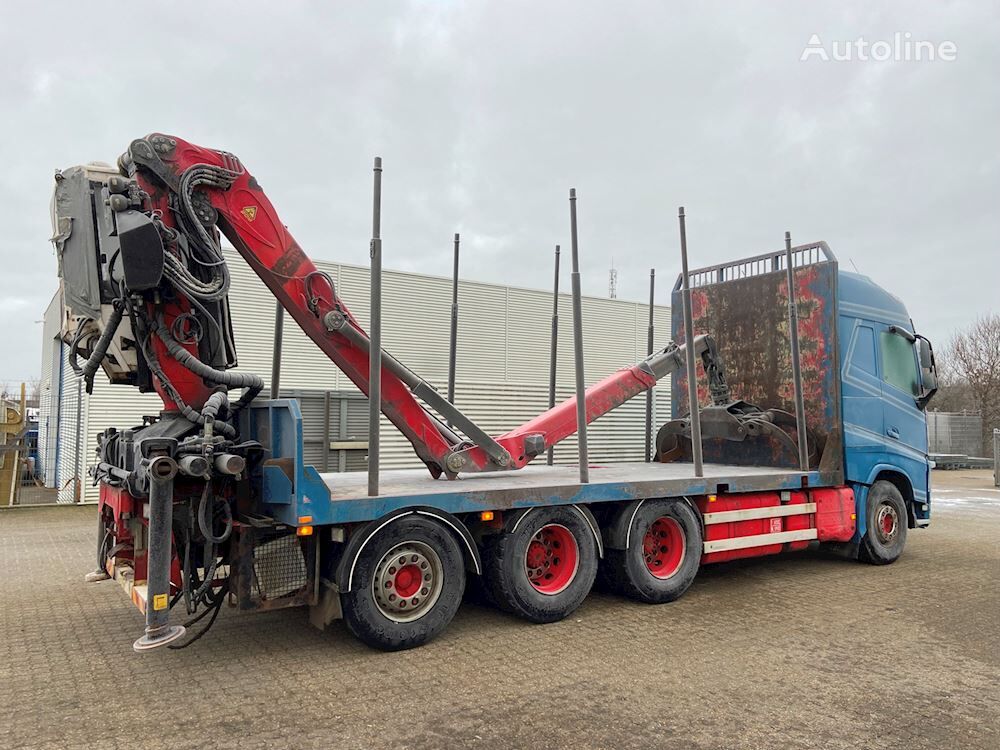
(862, 400)
(905, 424)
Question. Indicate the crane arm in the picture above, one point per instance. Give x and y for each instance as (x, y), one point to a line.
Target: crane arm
(176, 174)
(170, 204)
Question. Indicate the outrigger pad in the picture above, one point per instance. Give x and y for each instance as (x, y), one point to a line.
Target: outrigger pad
(167, 635)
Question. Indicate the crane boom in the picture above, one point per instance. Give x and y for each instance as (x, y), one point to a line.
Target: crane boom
(170, 204)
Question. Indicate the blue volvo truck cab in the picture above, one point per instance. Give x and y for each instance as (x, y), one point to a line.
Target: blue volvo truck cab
(866, 375)
(887, 378)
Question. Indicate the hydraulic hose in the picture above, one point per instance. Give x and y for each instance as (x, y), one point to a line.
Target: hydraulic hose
(214, 404)
(77, 338)
(190, 414)
(205, 521)
(251, 382)
(101, 347)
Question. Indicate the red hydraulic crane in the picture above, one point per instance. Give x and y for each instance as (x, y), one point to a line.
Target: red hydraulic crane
(186, 191)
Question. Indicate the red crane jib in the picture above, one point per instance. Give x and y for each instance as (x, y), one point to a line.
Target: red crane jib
(248, 219)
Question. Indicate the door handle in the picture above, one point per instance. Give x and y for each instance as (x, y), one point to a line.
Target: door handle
(892, 432)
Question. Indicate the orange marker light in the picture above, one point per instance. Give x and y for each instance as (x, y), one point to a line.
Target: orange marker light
(712, 498)
(854, 516)
(486, 515)
(304, 530)
(305, 519)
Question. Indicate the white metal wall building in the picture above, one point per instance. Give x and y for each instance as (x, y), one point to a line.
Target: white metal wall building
(501, 375)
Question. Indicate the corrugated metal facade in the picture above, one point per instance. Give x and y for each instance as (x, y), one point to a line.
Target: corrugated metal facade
(48, 392)
(503, 356)
(72, 431)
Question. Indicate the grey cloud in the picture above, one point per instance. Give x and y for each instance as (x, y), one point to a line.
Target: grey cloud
(486, 114)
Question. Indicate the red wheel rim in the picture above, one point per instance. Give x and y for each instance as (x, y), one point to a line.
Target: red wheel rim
(663, 547)
(886, 522)
(407, 581)
(551, 559)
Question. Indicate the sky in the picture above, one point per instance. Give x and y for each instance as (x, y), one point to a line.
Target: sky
(485, 114)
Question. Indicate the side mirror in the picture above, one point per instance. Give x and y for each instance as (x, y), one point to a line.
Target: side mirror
(928, 372)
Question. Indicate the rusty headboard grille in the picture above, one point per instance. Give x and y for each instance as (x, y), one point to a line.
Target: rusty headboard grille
(803, 255)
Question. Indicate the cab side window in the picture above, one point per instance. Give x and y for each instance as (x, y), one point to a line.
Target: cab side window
(899, 367)
(863, 356)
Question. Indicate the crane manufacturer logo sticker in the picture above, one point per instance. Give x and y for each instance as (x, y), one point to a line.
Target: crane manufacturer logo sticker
(289, 261)
(249, 213)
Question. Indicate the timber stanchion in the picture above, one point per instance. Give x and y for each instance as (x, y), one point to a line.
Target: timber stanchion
(375, 334)
(159, 632)
(553, 346)
(581, 393)
(649, 351)
(793, 333)
(453, 341)
(279, 329)
(692, 382)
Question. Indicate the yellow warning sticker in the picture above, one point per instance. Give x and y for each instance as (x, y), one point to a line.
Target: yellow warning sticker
(160, 602)
(249, 213)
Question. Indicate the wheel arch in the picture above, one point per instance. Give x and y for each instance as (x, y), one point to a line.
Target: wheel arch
(355, 545)
(616, 533)
(513, 520)
(901, 482)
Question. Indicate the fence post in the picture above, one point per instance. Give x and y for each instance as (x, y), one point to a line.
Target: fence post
(996, 458)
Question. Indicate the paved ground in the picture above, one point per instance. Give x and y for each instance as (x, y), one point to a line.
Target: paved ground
(803, 651)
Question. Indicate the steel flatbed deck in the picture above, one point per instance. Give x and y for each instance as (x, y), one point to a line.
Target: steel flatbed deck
(545, 485)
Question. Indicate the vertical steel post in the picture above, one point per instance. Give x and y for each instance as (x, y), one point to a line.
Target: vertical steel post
(375, 333)
(342, 435)
(581, 393)
(279, 329)
(793, 334)
(159, 632)
(692, 382)
(77, 478)
(553, 348)
(326, 430)
(453, 341)
(649, 350)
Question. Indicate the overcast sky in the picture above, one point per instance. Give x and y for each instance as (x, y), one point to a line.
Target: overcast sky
(486, 114)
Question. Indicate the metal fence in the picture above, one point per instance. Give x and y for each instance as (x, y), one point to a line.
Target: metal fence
(955, 433)
(20, 472)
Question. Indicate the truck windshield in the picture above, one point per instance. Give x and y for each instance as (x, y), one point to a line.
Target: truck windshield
(899, 368)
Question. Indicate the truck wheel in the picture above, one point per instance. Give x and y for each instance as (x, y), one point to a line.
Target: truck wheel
(663, 554)
(885, 536)
(543, 569)
(408, 584)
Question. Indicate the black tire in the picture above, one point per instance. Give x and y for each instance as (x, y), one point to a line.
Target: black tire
(384, 624)
(660, 567)
(506, 560)
(886, 524)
